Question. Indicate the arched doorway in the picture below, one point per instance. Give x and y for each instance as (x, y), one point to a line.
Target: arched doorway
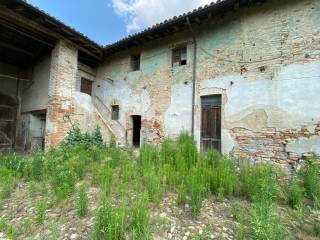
(8, 112)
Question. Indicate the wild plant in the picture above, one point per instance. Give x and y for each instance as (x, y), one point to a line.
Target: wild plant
(264, 223)
(196, 190)
(97, 174)
(14, 162)
(63, 182)
(148, 156)
(43, 188)
(294, 192)
(153, 185)
(311, 179)
(27, 226)
(238, 211)
(115, 155)
(32, 189)
(220, 194)
(167, 152)
(82, 205)
(110, 222)
(170, 176)
(77, 158)
(182, 192)
(53, 228)
(140, 219)
(316, 227)
(6, 174)
(187, 149)
(213, 158)
(107, 180)
(53, 158)
(253, 177)
(75, 138)
(40, 213)
(224, 177)
(181, 170)
(128, 171)
(8, 229)
(96, 137)
(37, 165)
(7, 188)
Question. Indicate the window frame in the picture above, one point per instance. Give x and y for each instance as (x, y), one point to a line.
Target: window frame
(181, 50)
(135, 62)
(84, 81)
(115, 112)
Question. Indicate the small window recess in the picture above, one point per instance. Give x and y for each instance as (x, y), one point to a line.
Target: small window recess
(179, 56)
(135, 62)
(115, 112)
(86, 86)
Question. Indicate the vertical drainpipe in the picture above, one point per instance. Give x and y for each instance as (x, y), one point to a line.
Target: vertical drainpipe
(194, 68)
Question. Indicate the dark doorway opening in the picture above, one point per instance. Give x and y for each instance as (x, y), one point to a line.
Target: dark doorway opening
(136, 122)
(8, 112)
(211, 122)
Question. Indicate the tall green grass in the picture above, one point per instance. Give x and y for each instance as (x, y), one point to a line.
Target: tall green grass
(196, 190)
(7, 182)
(311, 179)
(262, 223)
(37, 165)
(8, 229)
(40, 208)
(140, 219)
(175, 166)
(153, 184)
(82, 205)
(260, 185)
(294, 192)
(254, 178)
(224, 178)
(110, 222)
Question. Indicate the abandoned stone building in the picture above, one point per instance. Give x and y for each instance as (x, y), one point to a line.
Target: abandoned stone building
(242, 76)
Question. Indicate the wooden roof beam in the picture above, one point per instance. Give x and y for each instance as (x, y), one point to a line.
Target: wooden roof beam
(14, 48)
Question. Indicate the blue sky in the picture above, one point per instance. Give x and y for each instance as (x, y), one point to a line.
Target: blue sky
(107, 21)
(94, 18)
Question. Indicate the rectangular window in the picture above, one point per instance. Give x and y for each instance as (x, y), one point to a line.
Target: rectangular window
(179, 56)
(135, 62)
(115, 112)
(86, 86)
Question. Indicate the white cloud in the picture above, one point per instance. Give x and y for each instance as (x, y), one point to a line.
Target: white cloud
(140, 14)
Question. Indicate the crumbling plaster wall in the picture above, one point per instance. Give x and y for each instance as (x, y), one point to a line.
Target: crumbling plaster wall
(35, 91)
(87, 114)
(148, 92)
(266, 66)
(67, 106)
(264, 61)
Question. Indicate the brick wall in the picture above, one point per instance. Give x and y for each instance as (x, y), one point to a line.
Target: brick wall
(62, 83)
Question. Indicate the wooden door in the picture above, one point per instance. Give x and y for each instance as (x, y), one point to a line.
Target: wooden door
(211, 122)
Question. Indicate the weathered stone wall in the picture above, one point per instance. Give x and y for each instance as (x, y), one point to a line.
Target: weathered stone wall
(265, 63)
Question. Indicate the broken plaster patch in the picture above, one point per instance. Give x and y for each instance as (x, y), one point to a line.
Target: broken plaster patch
(305, 145)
